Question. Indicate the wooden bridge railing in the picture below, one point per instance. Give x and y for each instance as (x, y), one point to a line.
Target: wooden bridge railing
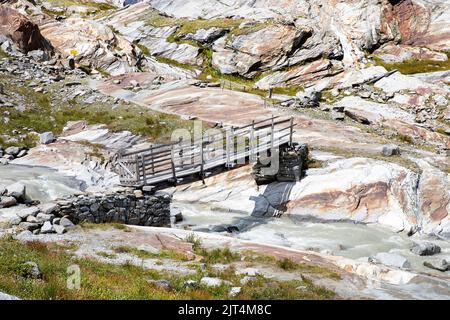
(172, 161)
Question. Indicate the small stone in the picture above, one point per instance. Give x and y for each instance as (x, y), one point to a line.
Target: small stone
(46, 138)
(425, 249)
(47, 228)
(391, 150)
(66, 223)
(190, 284)
(32, 219)
(337, 116)
(48, 208)
(17, 190)
(247, 279)
(13, 151)
(22, 153)
(163, 284)
(32, 270)
(59, 229)
(42, 217)
(234, 291)
(138, 193)
(26, 212)
(6, 202)
(176, 214)
(15, 221)
(442, 266)
(28, 226)
(211, 282)
(56, 221)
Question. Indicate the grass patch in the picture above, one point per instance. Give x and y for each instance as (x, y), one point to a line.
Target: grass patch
(51, 111)
(144, 49)
(415, 66)
(174, 63)
(104, 226)
(192, 26)
(101, 280)
(143, 254)
(4, 55)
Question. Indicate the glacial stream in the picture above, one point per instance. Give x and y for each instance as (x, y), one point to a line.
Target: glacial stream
(42, 183)
(345, 239)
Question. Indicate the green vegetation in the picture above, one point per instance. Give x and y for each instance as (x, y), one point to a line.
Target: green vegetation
(3, 55)
(104, 226)
(415, 66)
(174, 63)
(125, 281)
(143, 254)
(144, 49)
(50, 112)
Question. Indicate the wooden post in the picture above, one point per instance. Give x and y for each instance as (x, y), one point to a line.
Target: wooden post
(202, 175)
(230, 146)
(291, 131)
(174, 173)
(272, 133)
(143, 169)
(136, 160)
(153, 162)
(252, 142)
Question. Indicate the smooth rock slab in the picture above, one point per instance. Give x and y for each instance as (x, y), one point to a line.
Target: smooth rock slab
(391, 260)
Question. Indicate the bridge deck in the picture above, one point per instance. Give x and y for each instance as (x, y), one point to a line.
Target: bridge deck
(183, 158)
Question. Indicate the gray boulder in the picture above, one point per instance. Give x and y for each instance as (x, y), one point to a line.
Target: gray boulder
(66, 223)
(6, 202)
(425, 249)
(26, 212)
(212, 282)
(15, 221)
(47, 228)
(29, 226)
(391, 260)
(17, 190)
(46, 138)
(443, 266)
(42, 217)
(13, 151)
(48, 208)
(391, 150)
(59, 229)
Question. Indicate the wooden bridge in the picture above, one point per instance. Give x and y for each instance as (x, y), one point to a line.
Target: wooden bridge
(229, 146)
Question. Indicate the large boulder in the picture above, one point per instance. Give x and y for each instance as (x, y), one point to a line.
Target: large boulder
(268, 47)
(93, 45)
(17, 190)
(24, 33)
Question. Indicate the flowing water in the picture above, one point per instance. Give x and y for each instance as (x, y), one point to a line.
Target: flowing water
(42, 183)
(346, 239)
